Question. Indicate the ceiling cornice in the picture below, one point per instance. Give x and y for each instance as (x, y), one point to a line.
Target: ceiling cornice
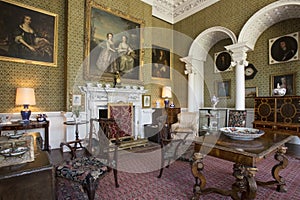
(173, 11)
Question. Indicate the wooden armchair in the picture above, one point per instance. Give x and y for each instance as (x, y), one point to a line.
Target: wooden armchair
(171, 148)
(95, 162)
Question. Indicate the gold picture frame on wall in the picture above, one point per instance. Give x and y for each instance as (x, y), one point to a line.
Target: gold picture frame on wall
(286, 81)
(223, 88)
(146, 101)
(113, 44)
(160, 62)
(251, 92)
(28, 35)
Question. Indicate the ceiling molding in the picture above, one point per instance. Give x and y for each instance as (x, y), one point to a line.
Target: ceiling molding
(173, 11)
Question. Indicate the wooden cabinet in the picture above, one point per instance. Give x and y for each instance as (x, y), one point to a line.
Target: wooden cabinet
(278, 114)
(32, 180)
(172, 115)
(152, 130)
(211, 120)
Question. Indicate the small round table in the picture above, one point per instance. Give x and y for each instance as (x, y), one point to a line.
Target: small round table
(77, 142)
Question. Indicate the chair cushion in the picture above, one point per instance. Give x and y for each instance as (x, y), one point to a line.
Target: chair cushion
(187, 119)
(79, 168)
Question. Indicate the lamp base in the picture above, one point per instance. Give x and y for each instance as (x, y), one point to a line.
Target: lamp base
(25, 113)
(166, 101)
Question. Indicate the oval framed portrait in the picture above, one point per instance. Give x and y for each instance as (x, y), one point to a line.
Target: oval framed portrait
(222, 62)
(283, 49)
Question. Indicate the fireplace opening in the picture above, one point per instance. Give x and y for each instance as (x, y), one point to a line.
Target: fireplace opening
(103, 113)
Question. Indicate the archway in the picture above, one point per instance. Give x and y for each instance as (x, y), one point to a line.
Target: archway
(195, 62)
(253, 28)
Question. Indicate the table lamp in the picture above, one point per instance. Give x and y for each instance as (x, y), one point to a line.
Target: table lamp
(166, 93)
(25, 97)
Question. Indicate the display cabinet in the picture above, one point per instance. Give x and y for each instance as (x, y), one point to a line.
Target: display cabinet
(211, 120)
(278, 114)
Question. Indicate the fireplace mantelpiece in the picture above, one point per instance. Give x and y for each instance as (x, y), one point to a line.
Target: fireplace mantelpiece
(97, 97)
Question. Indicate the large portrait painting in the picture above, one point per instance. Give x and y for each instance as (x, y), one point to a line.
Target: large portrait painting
(284, 48)
(113, 44)
(160, 62)
(27, 34)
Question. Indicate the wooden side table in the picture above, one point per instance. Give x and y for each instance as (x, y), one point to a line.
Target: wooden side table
(77, 143)
(26, 126)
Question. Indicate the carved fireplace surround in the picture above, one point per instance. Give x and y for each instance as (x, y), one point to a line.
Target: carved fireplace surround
(97, 98)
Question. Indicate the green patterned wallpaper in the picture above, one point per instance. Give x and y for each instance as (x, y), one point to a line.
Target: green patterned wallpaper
(48, 81)
(54, 85)
(233, 14)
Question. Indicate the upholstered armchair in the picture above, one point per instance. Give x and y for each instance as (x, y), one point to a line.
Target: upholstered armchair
(237, 118)
(187, 122)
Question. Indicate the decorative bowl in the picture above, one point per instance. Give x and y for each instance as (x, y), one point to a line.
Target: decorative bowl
(241, 133)
(14, 151)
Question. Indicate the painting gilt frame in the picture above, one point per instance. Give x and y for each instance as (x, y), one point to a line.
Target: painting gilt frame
(101, 21)
(160, 62)
(223, 88)
(289, 84)
(146, 101)
(40, 34)
(251, 92)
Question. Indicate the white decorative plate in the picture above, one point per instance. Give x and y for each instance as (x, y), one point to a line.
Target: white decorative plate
(14, 151)
(241, 133)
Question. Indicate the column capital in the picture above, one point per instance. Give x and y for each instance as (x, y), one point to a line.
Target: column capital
(188, 64)
(239, 53)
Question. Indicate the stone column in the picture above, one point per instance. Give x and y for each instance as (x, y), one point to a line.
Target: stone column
(195, 83)
(239, 55)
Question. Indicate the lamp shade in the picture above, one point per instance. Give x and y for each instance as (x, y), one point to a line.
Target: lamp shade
(166, 92)
(25, 96)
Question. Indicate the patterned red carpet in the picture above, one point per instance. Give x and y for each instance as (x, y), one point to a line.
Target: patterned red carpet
(177, 183)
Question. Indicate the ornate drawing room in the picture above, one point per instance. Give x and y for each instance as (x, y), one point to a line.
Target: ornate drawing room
(149, 99)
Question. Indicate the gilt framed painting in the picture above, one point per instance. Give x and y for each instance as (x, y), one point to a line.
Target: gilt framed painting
(223, 88)
(113, 44)
(286, 81)
(160, 62)
(27, 34)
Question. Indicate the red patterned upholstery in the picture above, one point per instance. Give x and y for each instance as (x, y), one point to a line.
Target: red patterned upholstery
(123, 117)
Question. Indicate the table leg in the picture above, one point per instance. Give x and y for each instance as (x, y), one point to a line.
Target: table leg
(283, 162)
(245, 186)
(46, 145)
(243, 189)
(200, 180)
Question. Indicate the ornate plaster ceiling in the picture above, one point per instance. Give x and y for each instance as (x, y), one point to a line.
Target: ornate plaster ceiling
(173, 11)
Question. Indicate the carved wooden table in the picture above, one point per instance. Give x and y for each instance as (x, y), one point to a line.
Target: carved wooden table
(77, 142)
(245, 155)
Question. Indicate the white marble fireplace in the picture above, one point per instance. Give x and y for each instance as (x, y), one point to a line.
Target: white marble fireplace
(97, 97)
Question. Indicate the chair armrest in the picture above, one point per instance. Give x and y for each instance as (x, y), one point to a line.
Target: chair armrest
(174, 126)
